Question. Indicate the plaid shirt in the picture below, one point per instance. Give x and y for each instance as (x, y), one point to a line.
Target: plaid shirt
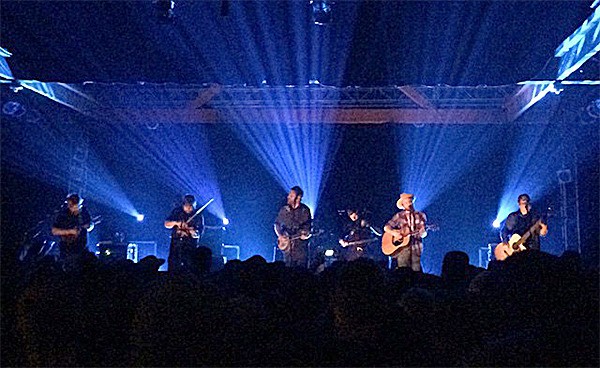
(401, 221)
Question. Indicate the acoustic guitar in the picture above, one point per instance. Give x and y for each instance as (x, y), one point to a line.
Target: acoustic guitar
(515, 243)
(284, 243)
(391, 244)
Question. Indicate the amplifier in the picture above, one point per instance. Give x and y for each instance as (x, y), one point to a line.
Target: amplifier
(108, 251)
(485, 255)
(230, 251)
(137, 250)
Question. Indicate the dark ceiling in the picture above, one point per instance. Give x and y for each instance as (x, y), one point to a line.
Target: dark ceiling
(369, 43)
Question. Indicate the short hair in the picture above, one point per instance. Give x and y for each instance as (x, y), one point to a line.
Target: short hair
(351, 210)
(524, 196)
(189, 199)
(298, 190)
(74, 198)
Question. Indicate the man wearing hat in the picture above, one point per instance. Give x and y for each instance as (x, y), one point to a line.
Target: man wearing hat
(408, 222)
(72, 224)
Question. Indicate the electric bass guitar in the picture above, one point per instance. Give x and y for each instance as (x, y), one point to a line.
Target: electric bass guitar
(284, 243)
(515, 243)
(391, 244)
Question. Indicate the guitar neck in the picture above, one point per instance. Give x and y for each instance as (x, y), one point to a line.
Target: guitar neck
(528, 233)
(309, 235)
(359, 242)
(427, 228)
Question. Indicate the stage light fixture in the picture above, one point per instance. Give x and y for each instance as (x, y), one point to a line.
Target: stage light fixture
(14, 109)
(165, 8)
(225, 221)
(225, 8)
(15, 86)
(139, 217)
(322, 11)
(496, 224)
(564, 176)
(593, 109)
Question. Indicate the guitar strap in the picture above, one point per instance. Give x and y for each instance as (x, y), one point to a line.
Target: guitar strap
(411, 221)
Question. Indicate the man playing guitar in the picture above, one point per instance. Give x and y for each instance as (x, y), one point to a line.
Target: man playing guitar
(187, 227)
(524, 221)
(407, 224)
(72, 225)
(357, 237)
(293, 229)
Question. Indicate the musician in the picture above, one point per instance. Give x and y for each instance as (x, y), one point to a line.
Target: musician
(519, 222)
(356, 236)
(72, 224)
(408, 222)
(187, 227)
(294, 220)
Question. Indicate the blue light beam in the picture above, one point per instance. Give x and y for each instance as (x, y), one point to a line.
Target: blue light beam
(296, 154)
(538, 154)
(180, 157)
(44, 152)
(433, 157)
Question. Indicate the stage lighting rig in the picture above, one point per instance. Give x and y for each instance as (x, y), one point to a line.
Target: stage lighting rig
(15, 86)
(225, 8)
(165, 8)
(564, 176)
(13, 109)
(593, 109)
(322, 11)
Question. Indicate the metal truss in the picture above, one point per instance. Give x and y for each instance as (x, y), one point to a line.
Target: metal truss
(213, 103)
(159, 96)
(78, 168)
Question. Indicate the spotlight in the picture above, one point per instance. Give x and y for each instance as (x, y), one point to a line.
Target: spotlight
(13, 108)
(564, 176)
(33, 116)
(593, 109)
(329, 253)
(496, 224)
(139, 217)
(321, 11)
(552, 88)
(165, 8)
(15, 86)
(224, 8)
(314, 82)
(225, 221)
